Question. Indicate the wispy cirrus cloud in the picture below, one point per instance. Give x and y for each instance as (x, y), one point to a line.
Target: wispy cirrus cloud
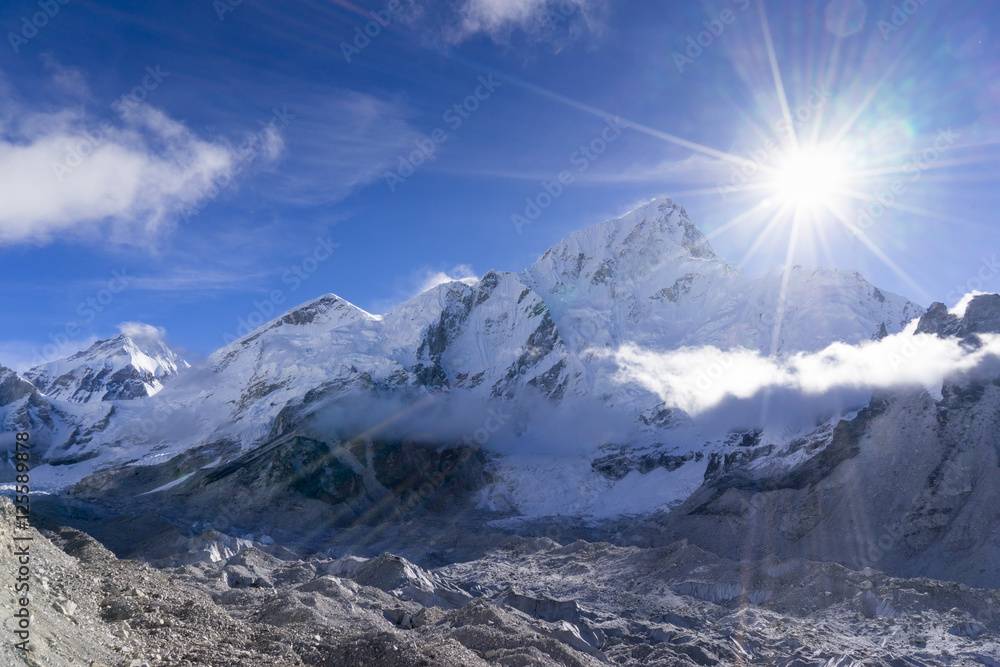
(198, 280)
(338, 141)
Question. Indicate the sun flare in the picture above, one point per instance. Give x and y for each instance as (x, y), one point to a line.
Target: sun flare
(810, 178)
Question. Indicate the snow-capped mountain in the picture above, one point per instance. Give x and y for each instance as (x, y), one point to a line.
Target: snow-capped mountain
(67, 405)
(522, 341)
(651, 278)
(133, 364)
(515, 384)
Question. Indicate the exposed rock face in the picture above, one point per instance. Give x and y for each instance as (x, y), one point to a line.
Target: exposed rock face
(13, 387)
(304, 492)
(618, 466)
(981, 316)
(938, 321)
(23, 408)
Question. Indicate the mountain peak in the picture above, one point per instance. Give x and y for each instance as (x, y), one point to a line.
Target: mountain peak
(663, 220)
(649, 248)
(651, 235)
(130, 364)
(329, 305)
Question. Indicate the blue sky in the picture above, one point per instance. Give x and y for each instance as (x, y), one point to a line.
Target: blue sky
(224, 156)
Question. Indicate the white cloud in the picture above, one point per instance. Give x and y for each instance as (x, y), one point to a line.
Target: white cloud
(700, 380)
(490, 15)
(432, 278)
(68, 80)
(142, 330)
(497, 18)
(64, 175)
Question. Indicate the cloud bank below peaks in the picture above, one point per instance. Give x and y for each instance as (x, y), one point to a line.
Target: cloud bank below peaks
(748, 386)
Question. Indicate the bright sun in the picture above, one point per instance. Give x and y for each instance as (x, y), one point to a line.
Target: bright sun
(810, 178)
